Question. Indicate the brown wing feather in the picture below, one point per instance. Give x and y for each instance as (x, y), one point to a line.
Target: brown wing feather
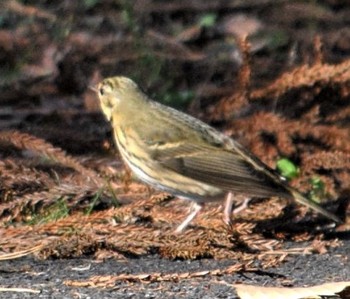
(225, 169)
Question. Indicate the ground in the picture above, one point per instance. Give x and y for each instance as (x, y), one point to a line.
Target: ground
(274, 75)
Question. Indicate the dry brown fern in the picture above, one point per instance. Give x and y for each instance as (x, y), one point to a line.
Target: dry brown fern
(305, 76)
(29, 142)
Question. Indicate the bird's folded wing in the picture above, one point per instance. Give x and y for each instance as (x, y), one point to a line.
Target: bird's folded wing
(226, 169)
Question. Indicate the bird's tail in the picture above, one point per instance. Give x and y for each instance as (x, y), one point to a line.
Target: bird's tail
(312, 205)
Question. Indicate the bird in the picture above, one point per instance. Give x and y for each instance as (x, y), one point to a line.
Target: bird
(177, 153)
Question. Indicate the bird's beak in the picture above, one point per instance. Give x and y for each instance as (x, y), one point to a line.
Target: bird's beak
(93, 88)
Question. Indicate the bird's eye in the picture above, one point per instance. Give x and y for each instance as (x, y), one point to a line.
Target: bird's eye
(104, 88)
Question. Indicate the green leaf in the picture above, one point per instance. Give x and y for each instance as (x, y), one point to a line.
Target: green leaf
(287, 168)
(90, 3)
(179, 98)
(318, 189)
(208, 20)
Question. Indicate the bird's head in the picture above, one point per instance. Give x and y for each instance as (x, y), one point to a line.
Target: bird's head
(117, 91)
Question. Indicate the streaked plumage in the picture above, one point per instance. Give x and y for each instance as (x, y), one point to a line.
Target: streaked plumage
(180, 154)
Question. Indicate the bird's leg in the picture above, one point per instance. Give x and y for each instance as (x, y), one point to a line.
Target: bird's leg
(242, 206)
(195, 208)
(228, 207)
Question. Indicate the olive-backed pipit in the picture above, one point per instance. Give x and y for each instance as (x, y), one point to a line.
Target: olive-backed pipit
(180, 154)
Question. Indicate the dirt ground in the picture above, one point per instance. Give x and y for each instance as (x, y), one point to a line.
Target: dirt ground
(74, 222)
(51, 276)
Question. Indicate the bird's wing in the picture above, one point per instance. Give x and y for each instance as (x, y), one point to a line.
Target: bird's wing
(226, 169)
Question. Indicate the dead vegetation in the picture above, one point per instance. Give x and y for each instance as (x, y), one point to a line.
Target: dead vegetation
(65, 193)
